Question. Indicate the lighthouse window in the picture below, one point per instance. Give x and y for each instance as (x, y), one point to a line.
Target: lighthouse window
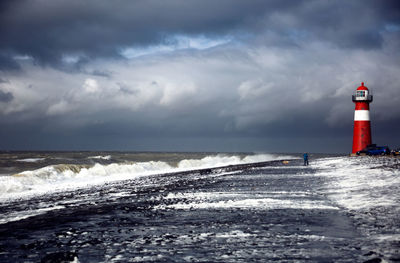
(360, 93)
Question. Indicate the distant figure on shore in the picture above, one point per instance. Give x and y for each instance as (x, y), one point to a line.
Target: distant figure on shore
(305, 157)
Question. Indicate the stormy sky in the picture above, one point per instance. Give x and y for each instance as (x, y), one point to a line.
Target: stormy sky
(185, 75)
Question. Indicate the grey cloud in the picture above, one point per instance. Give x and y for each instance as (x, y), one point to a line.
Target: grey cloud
(124, 88)
(6, 96)
(100, 73)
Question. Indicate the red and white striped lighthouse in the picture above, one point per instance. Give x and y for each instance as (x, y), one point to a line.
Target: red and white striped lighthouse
(362, 125)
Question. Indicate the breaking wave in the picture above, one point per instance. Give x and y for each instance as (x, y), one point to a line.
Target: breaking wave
(60, 177)
(106, 157)
(31, 160)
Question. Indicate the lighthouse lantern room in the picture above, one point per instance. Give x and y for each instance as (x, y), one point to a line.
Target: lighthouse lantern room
(362, 125)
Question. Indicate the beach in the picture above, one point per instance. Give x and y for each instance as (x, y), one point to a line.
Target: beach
(202, 208)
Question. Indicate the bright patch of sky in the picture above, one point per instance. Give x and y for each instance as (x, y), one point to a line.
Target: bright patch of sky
(70, 59)
(176, 43)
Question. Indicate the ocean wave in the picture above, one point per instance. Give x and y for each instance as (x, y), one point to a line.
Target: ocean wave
(61, 177)
(31, 160)
(106, 157)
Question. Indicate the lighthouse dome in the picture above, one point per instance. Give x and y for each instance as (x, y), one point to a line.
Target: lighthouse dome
(362, 94)
(362, 87)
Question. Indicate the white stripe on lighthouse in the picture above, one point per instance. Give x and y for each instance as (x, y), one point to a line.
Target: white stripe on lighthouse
(361, 115)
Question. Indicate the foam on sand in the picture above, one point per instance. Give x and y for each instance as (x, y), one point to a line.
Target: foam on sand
(359, 183)
(5, 218)
(252, 203)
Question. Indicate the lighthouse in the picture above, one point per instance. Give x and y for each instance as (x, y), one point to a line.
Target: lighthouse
(362, 125)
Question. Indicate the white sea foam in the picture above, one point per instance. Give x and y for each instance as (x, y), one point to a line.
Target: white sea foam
(31, 160)
(106, 157)
(388, 237)
(55, 178)
(16, 216)
(246, 200)
(236, 195)
(359, 183)
(64, 177)
(234, 234)
(253, 203)
(221, 160)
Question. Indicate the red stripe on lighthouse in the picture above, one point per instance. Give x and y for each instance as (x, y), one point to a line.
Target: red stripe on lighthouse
(362, 105)
(361, 135)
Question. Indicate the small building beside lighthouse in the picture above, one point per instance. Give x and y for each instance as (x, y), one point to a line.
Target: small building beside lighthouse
(362, 124)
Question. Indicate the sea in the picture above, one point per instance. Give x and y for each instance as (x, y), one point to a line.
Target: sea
(198, 207)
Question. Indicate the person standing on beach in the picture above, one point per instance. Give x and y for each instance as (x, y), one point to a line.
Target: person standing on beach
(305, 157)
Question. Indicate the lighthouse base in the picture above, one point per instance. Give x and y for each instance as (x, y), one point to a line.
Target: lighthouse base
(361, 135)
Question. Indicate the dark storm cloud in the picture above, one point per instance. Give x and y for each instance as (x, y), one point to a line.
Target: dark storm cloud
(352, 24)
(6, 96)
(8, 63)
(49, 30)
